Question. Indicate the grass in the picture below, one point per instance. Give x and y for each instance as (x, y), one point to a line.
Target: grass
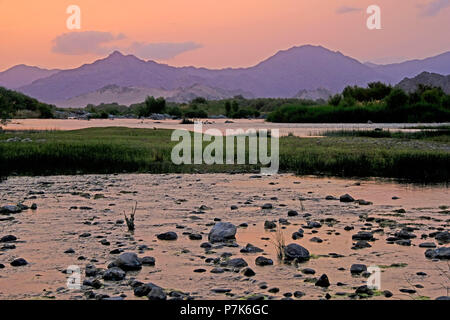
(435, 135)
(118, 150)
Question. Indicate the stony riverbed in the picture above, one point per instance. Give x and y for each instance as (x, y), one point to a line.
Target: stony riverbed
(216, 236)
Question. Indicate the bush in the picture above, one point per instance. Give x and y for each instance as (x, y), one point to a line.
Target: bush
(175, 112)
(396, 99)
(446, 101)
(152, 105)
(432, 96)
(335, 100)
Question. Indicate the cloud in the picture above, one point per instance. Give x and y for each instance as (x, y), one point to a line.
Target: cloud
(85, 42)
(434, 7)
(346, 9)
(161, 51)
(102, 43)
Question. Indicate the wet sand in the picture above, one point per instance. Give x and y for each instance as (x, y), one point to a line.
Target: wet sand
(297, 129)
(171, 203)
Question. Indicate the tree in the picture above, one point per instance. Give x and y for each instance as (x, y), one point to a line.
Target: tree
(228, 108)
(155, 105)
(235, 106)
(446, 101)
(433, 96)
(335, 100)
(152, 105)
(396, 99)
(378, 90)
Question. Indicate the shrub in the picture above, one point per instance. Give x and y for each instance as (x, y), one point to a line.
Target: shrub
(335, 100)
(396, 99)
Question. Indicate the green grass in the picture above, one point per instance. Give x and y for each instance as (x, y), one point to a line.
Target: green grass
(118, 150)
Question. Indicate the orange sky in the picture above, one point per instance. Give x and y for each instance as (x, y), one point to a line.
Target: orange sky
(232, 33)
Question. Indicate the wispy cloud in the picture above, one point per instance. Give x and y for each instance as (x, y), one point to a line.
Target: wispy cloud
(85, 42)
(101, 43)
(434, 7)
(347, 9)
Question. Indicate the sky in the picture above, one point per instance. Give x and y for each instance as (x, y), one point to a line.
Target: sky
(217, 34)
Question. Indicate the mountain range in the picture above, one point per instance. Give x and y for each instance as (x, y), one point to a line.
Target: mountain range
(286, 74)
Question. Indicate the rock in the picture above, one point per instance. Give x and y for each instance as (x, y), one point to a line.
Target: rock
(234, 207)
(267, 206)
(297, 235)
(299, 294)
(33, 206)
(249, 248)
(313, 224)
(440, 253)
(8, 238)
(206, 245)
(403, 242)
(90, 270)
(263, 261)
(445, 298)
(358, 268)
(70, 250)
(361, 245)
(222, 232)
(284, 222)
(157, 293)
(427, 245)
(403, 234)
(363, 235)
(274, 290)
(406, 290)
(295, 251)
(217, 270)
(85, 235)
(346, 198)
(199, 270)
(443, 237)
(237, 263)
(292, 213)
(387, 293)
(195, 236)
(316, 239)
(168, 236)
(270, 225)
(329, 198)
(323, 281)
(348, 228)
(362, 202)
(105, 242)
(364, 290)
(148, 261)
(96, 283)
(2, 266)
(19, 262)
(10, 209)
(309, 271)
(114, 274)
(220, 290)
(142, 290)
(248, 272)
(128, 261)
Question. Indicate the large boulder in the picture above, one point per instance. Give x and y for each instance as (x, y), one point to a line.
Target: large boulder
(222, 232)
(10, 209)
(295, 251)
(128, 261)
(114, 274)
(440, 253)
(443, 237)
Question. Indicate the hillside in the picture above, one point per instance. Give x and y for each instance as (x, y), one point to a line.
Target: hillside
(426, 78)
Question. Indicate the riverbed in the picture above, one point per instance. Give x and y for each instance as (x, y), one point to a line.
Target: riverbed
(86, 213)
